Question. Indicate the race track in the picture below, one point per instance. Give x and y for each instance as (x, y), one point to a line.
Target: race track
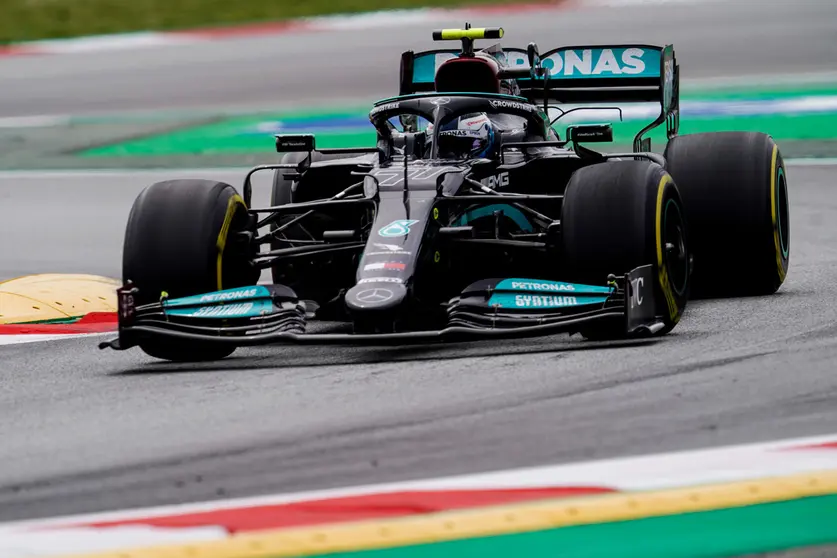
(88, 430)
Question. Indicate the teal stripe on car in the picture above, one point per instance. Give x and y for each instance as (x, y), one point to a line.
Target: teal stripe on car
(511, 212)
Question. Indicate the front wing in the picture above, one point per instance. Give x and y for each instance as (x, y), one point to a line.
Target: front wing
(262, 315)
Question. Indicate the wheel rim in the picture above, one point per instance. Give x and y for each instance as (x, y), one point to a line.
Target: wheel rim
(674, 240)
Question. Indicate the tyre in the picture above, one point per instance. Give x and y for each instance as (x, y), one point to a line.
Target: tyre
(181, 239)
(618, 216)
(734, 190)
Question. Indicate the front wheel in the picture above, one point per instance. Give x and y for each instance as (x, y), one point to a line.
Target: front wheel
(621, 215)
(181, 238)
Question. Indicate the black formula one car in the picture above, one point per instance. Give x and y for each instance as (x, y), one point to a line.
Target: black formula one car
(469, 219)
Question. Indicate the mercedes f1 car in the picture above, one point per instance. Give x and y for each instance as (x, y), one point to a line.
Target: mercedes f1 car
(470, 218)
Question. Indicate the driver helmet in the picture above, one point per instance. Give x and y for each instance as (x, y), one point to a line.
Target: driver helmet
(469, 136)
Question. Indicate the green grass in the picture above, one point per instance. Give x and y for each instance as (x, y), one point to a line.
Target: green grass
(26, 20)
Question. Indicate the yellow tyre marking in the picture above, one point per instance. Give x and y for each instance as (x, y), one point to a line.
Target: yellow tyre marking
(774, 213)
(234, 200)
(492, 521)
(665, 282)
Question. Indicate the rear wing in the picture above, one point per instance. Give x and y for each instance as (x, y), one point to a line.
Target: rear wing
(632, 73)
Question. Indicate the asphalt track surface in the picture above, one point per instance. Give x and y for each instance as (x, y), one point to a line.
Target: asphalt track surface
(89, 430)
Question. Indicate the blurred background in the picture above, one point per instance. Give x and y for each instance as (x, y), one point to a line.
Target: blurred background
(205, 82)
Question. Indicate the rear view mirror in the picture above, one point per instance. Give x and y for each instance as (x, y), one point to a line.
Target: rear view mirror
(590, 133)
(534, 60)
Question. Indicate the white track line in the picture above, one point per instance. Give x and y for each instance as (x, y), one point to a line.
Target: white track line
(18, 339)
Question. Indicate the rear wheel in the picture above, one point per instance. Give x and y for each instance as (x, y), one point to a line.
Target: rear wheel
(618, 216)
(181, 239)
(734, 189)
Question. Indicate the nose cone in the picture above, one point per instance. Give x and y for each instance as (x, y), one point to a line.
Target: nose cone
(378, 296)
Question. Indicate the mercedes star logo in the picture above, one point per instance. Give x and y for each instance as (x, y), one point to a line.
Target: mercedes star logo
(374, 296)
(440, 101)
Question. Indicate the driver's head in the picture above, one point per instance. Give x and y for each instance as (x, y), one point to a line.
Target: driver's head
(467, 137)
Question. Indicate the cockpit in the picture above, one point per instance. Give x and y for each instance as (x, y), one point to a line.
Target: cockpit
(474, 135)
